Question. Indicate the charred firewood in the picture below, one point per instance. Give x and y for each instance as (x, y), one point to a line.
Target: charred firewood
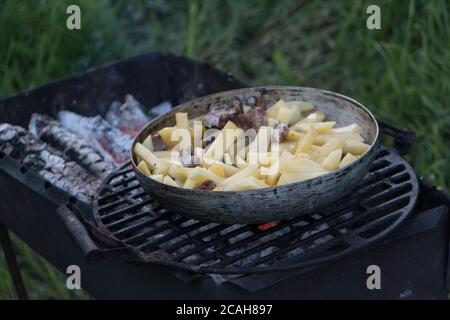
(74, 147)
(111, 139)
(129, 117)
(48, 163)
(206, 185)
(220, 113)
(280, 132)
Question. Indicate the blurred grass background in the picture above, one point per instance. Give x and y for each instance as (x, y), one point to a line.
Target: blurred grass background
(401, 72)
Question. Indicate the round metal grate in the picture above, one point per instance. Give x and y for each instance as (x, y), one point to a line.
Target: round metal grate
(378, 205)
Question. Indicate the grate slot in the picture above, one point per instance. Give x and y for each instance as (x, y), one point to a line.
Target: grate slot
(174, 234)
(387, 195)
(313, 223)
(132, 208)
(374, 213)
(137, 226)
(119, 193)
(373, 177)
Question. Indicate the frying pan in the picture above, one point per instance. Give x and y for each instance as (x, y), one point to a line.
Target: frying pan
(274, 203)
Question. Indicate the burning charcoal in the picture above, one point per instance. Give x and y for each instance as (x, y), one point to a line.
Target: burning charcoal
(220, 113)
(158, 142)
(281, 131)
(74, 147)
(48, 163)
(128, 117)
(160, 109)
(111, 139)
(206, 185)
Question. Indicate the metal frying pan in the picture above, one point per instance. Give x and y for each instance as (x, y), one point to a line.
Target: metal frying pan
(274, 203)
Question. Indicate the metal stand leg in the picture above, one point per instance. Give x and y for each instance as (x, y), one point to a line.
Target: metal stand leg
(11, 262)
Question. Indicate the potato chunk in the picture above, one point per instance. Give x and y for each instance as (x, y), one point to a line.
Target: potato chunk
(333, 160)
(248, 183)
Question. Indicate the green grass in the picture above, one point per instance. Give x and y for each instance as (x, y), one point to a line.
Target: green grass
(401, 72)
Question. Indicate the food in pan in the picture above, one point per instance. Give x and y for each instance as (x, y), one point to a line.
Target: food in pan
(237, 147)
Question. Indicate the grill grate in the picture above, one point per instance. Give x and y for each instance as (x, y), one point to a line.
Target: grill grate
(381, 202)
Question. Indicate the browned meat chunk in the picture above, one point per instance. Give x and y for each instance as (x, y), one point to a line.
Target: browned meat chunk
(220, 113)
(253, 119)
(206, 185)
(158, 142)
(281, 131)
(257, 117)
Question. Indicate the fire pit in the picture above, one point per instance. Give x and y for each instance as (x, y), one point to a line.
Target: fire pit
(391, 219)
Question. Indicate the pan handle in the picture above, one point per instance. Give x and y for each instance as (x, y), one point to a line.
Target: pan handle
(92, 250)
(403, 137)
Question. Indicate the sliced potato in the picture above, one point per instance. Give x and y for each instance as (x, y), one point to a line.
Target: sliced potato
(272, 112)
(307, 141)
(152, 161)
(320, 127)
(286, 155)
(302, 155)
(248, 183)
(157, 177)
(324, 138)
(199, 175)
(293, 136)
(148, 143)
(333, 160)
(302, 105)
(250, 170)
(182, 120)
(143, 168)
(271, 122)
(259, 147)
(269, 171)
(166, 135)
(354, 147)
(223, 141)
(317, 116)
(189, 184)
(179, 172)
(164, 154)
(328, 147)
(272, 179)
(349, 158)
(297, 166)
(285, 114)
(296, 111)
(353, 128)
(286, 178)
(217, 169)
(169, 181)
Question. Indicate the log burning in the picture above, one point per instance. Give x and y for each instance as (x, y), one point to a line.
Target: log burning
(79, 149)
(77, 152)
(128, 117)
(47, 162)
(111, 139)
